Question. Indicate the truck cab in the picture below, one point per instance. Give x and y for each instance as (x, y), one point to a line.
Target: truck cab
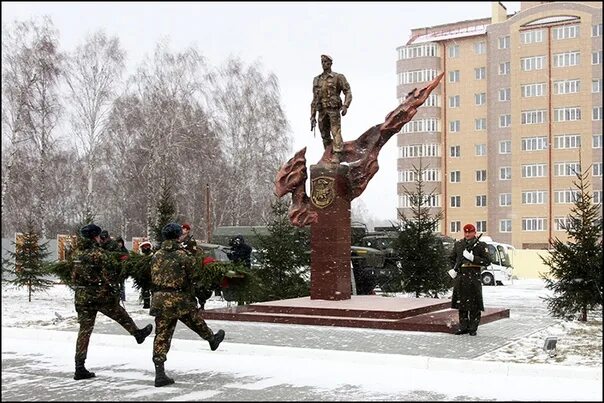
(499, 272)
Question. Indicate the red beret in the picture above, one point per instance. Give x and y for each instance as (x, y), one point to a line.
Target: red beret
(186, 226)
(469, 228)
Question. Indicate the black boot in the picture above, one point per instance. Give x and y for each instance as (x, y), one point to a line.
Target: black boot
(81, 372)
(216, 340)
(161, 379)
(141, 334)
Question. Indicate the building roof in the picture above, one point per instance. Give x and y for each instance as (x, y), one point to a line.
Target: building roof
(474, 30)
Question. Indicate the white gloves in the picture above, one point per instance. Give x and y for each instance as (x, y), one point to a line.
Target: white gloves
(452, 273)
(468, 255)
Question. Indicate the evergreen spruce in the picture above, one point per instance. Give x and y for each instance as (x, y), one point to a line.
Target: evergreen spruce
(26, 266)
(423, 257)
(285, 260)
(575, 274)
(166, 211)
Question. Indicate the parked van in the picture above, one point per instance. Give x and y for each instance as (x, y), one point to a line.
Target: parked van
(499, 272)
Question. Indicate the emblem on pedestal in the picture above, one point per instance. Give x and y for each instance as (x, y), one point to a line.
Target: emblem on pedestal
(323, 191)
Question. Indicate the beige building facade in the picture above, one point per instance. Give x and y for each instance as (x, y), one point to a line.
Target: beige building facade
(518, 111)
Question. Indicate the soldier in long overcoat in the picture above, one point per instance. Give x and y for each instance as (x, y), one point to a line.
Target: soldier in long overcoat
(97, 290)
(173, 278)
(467, 289)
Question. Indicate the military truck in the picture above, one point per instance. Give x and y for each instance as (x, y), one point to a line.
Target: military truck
(367, 263)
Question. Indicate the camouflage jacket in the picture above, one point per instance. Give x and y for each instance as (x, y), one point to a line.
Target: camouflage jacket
(326, 89)
(173, 278)
(94, 278)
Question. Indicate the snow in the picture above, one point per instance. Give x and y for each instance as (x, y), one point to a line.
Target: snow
(38, 341)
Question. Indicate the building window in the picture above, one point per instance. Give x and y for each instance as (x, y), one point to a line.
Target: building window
(597, 197)
(528, 37)
(431, 175)
(596, 113)
(505, 147)
(415, 51)
(567, 196)
(596, 57)
(406, 176)
(505, 120)
(596, 169)
(566, 32)
(534, 224)
(419, 150)
(454, 76)
(596, 30)
(567, 114)
(416, 76)
(454, 101)
(533, 117)
(596, 85)
(481, 175)
(534, 143)
(503, 42)
(596, 141)
(567, 141)
(505, 225)
(481, 226)
(480, 124)
(480, 98)
(480, 149)
(566, 59)
(567, 168)
(531, 63)
(455, 226)
(455, 151)
(505, 199)
(567, 86)
(428, 125)
(562, 223)
(505, 94)
(454, 126)
(433, 100)
(533, 197)
(455, 176)
(453, 51)
(532, 90)
(480, 48)
(534, 171)
(480, 73)
(455, 201)
(504, 68)
(505, 173)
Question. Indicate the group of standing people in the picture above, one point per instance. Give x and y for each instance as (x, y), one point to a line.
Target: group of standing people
(97, 288)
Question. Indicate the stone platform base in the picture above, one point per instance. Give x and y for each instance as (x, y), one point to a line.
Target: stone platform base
(365, 311)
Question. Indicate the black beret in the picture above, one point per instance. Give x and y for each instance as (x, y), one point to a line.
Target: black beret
(171, 231)
(90, 231)
(104, 234)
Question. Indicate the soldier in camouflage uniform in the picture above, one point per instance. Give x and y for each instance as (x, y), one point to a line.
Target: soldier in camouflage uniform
(326, 89)
(173, 278)
(467, 289)
(96, 290)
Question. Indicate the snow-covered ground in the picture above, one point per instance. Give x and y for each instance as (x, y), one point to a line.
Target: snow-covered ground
(38, 341)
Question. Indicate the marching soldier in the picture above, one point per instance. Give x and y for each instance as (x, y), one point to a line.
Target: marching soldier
(97, 290)
(173, 278)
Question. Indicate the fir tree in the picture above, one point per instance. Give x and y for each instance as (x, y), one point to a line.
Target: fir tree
(26, 265)
(285, 260)
(575, 274)
(166, 211)
(422, 254)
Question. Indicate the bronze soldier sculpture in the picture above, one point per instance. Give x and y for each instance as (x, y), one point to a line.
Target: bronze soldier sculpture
(97, 290)
(326, 89)
(468, 257)
(173, 278)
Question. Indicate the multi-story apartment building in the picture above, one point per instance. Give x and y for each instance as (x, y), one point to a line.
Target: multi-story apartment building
(518, 110)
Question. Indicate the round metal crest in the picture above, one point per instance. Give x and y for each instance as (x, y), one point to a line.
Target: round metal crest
(323, 191)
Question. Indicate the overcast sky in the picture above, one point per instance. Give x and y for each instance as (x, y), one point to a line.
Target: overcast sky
(287, 38)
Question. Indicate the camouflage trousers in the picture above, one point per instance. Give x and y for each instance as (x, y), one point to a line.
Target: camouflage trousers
(330, 125)
(164, 330)
(87, 317)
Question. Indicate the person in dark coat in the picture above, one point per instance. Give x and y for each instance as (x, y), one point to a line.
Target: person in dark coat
(96, 291)
(240, 251)
(467, 289)
(173, 277)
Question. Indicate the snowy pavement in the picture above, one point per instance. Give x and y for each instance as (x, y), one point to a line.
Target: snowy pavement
(259, 361)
